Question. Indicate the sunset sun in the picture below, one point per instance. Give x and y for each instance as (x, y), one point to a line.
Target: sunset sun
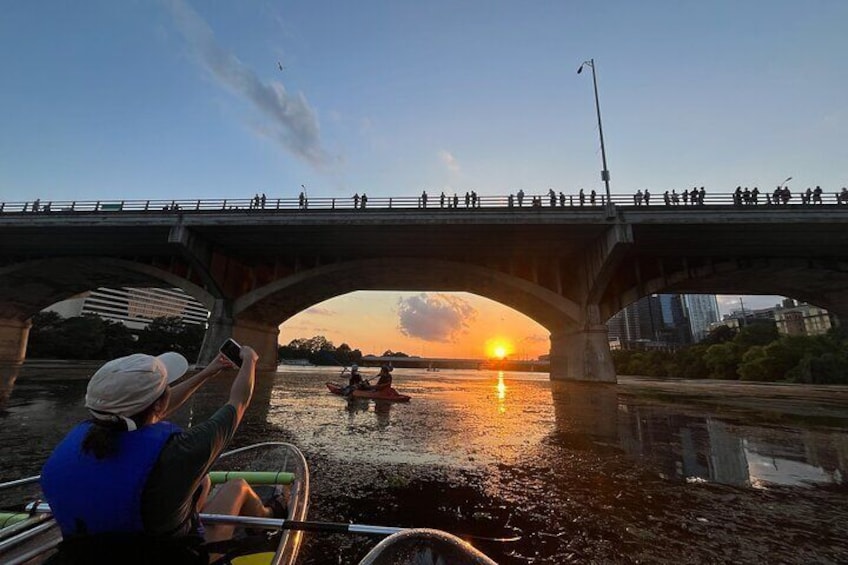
(498, 348)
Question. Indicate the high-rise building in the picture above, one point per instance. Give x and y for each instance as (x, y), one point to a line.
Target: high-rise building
(134, 307)
(701, 310)
(663, 320)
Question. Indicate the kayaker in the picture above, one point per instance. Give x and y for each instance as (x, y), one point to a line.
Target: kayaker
(355, 382)
(355, 377)
(127, 481)
(385, 377)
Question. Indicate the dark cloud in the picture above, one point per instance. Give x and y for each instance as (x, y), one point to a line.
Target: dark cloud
(434, 317)
(293, 123)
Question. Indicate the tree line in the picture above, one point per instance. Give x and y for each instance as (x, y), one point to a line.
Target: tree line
(319, 350)
(756, 352)
(92, 337)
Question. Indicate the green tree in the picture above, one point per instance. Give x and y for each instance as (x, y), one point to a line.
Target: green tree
(721, 360)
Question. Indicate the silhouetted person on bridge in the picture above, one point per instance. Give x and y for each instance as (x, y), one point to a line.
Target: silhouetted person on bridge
(755, 196)
(520, 198)
(442, 200)
(842, 196)
(363, 200)
(301, 200)
(637, 198)
(647, 197)
(552, 197)
(817, 193)
(562, 199)
(675, 199)
(356, 200)
(455, 200)
(666, 198)
(509, 200)
(786, 195)
(807, 196)
(592, 196)
(424, 199)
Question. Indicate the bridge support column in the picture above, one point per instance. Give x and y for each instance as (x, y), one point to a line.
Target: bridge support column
(262, 338)
(13, 341)
(582, 355)
(219, 330)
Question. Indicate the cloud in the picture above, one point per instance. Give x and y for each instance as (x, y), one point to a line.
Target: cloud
(449, 160)
(319, 311)
(434, 317)
(293, 123)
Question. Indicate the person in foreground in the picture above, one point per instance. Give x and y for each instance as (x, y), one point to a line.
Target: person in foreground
(128, 482)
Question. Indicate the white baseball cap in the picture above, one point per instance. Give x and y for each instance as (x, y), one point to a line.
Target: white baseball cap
(126, 386)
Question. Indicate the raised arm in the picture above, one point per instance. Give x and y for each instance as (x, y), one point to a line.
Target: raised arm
(181, 392)
(242, 389)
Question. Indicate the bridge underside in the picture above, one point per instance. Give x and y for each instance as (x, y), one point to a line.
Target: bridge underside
(568, 270)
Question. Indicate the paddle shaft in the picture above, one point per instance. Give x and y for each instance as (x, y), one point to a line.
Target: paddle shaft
(301, 525)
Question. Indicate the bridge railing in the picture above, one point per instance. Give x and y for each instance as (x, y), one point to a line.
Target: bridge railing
(363, 203)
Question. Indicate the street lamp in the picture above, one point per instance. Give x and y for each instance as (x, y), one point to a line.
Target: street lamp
(604, 173)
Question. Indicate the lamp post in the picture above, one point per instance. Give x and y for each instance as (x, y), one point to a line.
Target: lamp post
(605, 172)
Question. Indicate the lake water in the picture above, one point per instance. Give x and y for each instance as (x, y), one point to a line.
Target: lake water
(645, 471)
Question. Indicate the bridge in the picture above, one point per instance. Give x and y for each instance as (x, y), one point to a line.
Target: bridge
(570, 267)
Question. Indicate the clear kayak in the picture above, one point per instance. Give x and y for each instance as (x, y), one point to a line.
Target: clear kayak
(389, 393)
(31, 537)
(424, 546)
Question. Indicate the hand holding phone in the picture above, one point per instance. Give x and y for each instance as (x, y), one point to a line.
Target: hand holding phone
(232, 351)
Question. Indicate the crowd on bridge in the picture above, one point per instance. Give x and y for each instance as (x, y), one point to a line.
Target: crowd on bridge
(696, 196)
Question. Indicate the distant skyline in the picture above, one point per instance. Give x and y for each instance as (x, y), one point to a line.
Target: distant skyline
(173, 99)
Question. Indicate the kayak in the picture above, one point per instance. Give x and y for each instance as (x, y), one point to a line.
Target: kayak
(424, 545)
(30, 537)
(389, 393)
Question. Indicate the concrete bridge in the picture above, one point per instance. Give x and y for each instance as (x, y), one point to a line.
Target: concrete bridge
(569, 267)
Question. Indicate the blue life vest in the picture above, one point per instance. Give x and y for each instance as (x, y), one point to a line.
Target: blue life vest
(90, 496)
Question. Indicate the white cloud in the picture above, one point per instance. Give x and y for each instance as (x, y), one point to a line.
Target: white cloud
(449, 160)
(434, 317)
(293, 123)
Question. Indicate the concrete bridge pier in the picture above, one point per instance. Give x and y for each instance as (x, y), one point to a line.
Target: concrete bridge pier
(582, 355)
(13, 341)
(261, 337)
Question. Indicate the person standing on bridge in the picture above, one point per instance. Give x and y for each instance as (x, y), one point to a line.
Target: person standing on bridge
(155, 473)
(424, 199)
(520, 196)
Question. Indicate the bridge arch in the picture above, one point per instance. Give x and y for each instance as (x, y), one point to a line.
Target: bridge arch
(27, 287)
(278, 301)
(815, 281)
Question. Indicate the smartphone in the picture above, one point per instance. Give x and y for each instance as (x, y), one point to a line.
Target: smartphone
(232, 351)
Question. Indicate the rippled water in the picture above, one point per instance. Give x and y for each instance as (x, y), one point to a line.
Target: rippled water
(646, 471)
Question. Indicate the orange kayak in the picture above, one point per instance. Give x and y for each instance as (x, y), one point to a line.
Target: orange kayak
(384, 394)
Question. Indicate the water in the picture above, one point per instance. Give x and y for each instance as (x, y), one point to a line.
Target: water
(648, 471)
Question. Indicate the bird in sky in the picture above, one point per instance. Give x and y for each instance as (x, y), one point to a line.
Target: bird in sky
(280, 65)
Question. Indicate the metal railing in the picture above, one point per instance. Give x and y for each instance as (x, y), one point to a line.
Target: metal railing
(448, 202)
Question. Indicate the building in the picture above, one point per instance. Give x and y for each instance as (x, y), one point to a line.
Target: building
(656, 321)
(797, 318)
(700, 310)
(134, 307)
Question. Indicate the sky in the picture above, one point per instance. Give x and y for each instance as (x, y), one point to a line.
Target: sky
(179, 99)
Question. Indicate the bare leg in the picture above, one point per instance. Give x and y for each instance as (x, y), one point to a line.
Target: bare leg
(237, 499)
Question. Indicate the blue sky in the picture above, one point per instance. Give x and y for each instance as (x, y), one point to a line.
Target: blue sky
(178, 99)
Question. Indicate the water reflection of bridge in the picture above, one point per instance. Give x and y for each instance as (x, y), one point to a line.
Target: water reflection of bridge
(699, 446)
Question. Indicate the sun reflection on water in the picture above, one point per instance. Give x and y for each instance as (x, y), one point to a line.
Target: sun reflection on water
(501, 388)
